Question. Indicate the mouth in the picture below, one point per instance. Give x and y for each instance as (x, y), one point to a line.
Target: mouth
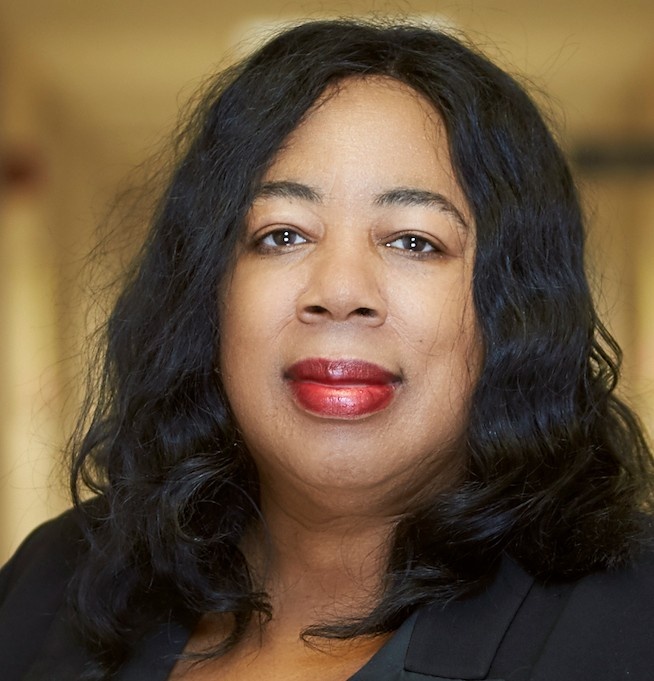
(341, 388)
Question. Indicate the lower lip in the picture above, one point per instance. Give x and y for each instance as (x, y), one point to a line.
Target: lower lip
(342, 401)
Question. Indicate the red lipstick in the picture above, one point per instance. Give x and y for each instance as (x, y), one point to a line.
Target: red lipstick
(341, 388)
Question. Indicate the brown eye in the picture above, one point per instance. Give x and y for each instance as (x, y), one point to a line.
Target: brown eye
(413, 244)
(282, 237)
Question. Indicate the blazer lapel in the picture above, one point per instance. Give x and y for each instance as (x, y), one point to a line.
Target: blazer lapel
(460, 639)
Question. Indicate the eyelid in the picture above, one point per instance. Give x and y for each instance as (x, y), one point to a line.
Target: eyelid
(258, 239)
(435, 246)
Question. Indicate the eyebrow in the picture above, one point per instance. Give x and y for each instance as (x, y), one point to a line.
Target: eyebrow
(406, 196)
(288, 190)
(400, 196)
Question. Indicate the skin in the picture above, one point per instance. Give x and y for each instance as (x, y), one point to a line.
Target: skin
(360, 245)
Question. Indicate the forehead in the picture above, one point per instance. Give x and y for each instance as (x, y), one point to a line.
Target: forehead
(358, 95)
(355, 109)
(367, 136)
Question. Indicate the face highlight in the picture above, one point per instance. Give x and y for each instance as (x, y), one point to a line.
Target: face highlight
(349, 346)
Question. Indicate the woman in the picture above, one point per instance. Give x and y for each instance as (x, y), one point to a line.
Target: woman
(357, 415)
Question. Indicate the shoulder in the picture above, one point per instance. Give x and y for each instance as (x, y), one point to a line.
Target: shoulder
(604, 629)
(597, 628)
(50, 549)
(621, 590)
(32, 590)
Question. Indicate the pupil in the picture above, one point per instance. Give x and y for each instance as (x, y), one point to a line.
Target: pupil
(284, 238)
(411, 243)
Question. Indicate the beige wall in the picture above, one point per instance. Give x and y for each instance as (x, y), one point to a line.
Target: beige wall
(621, 237)
(46, 228)
(641, 122)
(28, 348)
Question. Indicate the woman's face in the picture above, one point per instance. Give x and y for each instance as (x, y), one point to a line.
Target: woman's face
(349, 341)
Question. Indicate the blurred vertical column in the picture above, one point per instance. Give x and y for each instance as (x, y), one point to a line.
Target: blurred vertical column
(51, 176)
(617, 166)
(28, 349)
(643, 239)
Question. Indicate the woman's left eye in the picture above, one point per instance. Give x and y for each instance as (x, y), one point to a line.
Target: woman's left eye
(280, 238)
(413, 244)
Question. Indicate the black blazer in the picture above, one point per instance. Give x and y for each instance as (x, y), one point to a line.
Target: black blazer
(600, 628)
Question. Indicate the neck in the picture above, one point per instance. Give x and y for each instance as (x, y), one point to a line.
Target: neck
(317, 564)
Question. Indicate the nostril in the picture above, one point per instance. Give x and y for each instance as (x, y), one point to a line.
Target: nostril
(315, 309)
(316, 313)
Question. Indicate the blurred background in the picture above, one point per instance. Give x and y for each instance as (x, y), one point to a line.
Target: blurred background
(90, 88)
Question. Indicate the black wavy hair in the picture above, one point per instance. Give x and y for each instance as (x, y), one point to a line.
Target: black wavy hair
(556, 472)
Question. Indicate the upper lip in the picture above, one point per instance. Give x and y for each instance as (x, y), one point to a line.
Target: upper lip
(340, 372)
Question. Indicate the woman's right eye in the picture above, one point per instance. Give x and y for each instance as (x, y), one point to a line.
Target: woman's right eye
(280, 238)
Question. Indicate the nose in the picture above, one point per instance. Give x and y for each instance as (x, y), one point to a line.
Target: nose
(343, 285)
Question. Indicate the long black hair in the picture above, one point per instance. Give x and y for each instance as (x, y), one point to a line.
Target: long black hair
(556, 470)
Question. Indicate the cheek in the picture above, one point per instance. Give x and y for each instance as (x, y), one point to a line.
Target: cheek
(446, 347)
(255, 307)
(436, 318)
(254, 312)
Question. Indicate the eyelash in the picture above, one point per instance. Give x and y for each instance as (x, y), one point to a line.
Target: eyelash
(410, 241)
(416, 246)
(261, 246)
